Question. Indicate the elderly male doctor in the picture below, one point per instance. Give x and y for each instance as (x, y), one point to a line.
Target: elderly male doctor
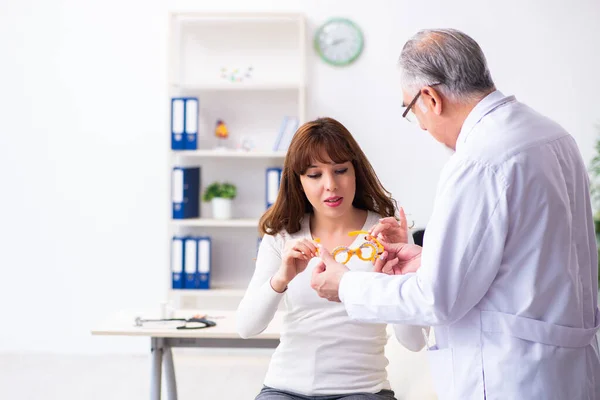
(508, 273)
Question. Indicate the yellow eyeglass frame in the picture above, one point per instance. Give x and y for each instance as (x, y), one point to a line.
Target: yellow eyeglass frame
(376, 248)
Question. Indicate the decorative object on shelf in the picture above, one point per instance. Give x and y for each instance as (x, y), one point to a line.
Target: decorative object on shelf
(246, 144)
(236, 74)
(184, 123)
(185, 192)
(221, 196)
(287, 129)
(222, 133)
(339, 42)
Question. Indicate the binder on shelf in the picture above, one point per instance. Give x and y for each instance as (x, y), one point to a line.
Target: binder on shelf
(191, 123)
(280, 133)
(177, 123)
(287, 129)
(273, 180)
(177, 254)
(184, 123)
(204, 263)
(190, 263)
(185, 192)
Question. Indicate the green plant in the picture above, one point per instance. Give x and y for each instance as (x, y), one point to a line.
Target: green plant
(223, 190)
(594, 171)
(595, 181)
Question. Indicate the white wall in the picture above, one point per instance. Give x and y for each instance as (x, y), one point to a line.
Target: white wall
(83, 135)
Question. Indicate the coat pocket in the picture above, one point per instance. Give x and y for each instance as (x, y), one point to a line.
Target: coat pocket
(442, 371)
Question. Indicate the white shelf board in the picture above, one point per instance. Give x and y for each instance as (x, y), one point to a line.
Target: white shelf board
(227, 223)
(197, 17)
(217, 291)
(229, 154)
(236, 86)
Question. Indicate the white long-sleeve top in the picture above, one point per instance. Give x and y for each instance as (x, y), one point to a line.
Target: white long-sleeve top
(321, 351)
(509, 272)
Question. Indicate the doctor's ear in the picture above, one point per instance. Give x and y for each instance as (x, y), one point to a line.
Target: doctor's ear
(432, 100)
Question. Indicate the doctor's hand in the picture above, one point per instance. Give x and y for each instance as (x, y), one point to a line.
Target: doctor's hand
(391, 230)
(399, 259)
(327, 276)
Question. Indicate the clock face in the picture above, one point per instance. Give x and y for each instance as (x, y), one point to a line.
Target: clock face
(339, 41)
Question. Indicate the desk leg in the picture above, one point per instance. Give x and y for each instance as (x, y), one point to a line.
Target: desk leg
(156, 364)
(170, 373)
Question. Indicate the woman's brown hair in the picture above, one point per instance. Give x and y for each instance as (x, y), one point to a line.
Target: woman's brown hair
(314, 141)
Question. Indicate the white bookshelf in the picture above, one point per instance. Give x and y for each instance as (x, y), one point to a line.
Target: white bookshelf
(215, 223)
(201, 47)
(244, 86)
(229, 154)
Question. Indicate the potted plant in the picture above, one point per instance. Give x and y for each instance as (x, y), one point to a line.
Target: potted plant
(595, 184)
(595, 193)
(221, 196)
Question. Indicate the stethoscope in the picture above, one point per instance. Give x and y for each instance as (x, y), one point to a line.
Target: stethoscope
(205, 323)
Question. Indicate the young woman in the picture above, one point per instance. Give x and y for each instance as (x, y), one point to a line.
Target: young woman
(328, 189)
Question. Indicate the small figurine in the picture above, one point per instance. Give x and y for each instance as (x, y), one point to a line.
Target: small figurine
(246, 144)
(221, 133)
(236, 74)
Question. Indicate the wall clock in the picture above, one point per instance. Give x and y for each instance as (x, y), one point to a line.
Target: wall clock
(339, 41)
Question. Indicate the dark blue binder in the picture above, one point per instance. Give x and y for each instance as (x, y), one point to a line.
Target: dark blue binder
(190, 262)
(177, 123)
(204, 262)
(184, 123)
(185, 192)
(191, 123)
(177, 257)
(273, 179)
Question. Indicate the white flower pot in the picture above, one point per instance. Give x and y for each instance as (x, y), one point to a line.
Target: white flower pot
(221, 208)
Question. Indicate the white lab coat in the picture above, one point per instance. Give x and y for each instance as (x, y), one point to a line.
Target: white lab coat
(509, 271)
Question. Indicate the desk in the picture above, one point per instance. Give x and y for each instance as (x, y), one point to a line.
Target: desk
(163, 339)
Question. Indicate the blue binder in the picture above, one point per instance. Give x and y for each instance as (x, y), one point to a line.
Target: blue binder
(204, 262)
(191, 123)
(177, 123)
(184, 123)
(273, 180)
(185, 192)
(177, 254)
(190, 262)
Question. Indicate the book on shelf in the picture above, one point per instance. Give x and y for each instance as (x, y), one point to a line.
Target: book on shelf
(287, 129)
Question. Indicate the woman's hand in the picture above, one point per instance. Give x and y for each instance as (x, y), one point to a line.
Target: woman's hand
(296, 255)
(390, 230)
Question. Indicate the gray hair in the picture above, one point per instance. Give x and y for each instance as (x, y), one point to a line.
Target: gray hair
(449, 58)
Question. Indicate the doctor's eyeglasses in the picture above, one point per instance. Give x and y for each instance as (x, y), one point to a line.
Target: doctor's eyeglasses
(367, 251)
(408, 111)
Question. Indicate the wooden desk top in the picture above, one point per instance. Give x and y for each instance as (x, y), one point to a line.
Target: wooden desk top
(122, 323)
